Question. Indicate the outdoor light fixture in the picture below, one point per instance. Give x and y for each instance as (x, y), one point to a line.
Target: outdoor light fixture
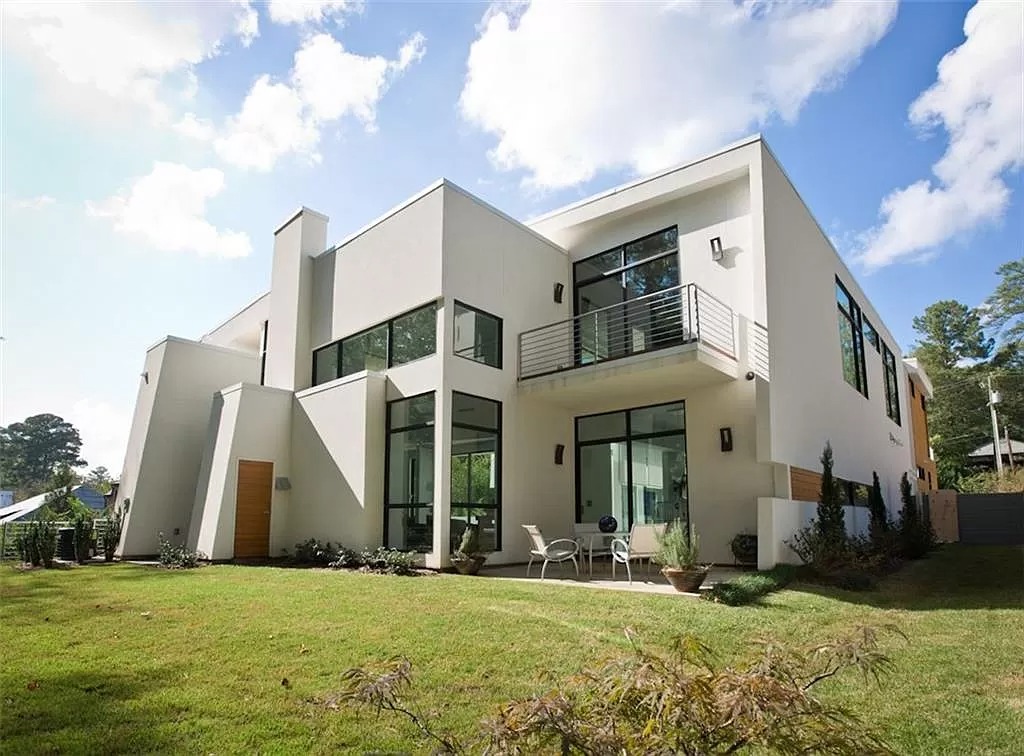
(725, 437)
(559, 288)
(282, 484)
(716, 249)
(559, 453)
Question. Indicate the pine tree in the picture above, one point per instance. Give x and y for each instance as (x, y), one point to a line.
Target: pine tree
(830, 523)
(876, 505)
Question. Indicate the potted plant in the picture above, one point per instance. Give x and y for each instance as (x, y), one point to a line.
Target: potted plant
(744, 548)
(468, 559)
(678, 552)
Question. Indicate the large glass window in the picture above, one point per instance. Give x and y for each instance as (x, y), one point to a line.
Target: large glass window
(632, 465)
(409, 481)
(851, 340)
(476, 469)
(627, 276)
(403, 339)
(477, 335)
(892, 393)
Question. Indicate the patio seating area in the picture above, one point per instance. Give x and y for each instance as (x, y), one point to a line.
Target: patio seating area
(644, 580)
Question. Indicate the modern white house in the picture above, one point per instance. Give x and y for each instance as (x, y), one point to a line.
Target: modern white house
(682, 346)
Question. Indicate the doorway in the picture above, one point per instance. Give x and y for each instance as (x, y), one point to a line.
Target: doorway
(252, 509)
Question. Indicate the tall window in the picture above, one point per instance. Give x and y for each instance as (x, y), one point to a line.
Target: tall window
(263, 352)
(871, 335)
(477, 335)
(476, 469)
(892, 393)
(403, 339)
(409, 476)
(632, 465)
(629, 276)
(851, 340)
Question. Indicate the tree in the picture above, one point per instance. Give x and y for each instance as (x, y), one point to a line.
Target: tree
(831, 525)
(876, 506)
(951, 333)
(32, 450)
(99, 478)
(1005, 307)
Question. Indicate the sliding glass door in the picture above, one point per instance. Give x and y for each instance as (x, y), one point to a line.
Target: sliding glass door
(631, 464)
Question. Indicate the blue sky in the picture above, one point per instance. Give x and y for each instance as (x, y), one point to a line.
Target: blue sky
(148, 152)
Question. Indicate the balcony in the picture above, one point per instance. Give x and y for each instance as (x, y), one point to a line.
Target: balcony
(635, 345)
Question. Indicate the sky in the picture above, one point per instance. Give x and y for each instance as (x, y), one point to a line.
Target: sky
(149, 150)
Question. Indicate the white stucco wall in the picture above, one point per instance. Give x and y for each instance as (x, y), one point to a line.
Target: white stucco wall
(778, 520)
(248, 422)
(810, 402)
(169, 431)
(337, 463)
(242, 331)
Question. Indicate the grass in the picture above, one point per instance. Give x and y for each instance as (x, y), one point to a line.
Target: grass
(124, 658)
(749, 587)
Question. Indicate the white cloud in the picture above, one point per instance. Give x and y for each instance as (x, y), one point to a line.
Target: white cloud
(326, 83)
(311, 11)
(104, 430)
(33, 203)
(123, 52)
(572, 89)
(978, 99)
(166, 209)
(196, 128)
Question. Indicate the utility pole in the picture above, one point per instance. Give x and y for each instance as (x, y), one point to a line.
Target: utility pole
(993, 400)
(1009, 446)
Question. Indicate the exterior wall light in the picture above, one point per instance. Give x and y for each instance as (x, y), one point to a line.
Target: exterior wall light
(716, 249)
(725, 437)
(559, 288)
(559, 453)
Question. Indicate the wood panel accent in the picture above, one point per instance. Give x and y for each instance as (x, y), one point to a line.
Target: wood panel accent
(942, 510)
(252, 509)
(805, 485)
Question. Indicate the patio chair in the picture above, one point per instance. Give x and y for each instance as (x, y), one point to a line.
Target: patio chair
(559, 550)
(641, 544)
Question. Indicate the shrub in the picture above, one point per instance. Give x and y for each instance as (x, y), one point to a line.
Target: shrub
(830, 524)
(746, 589)
(81, 520)
(915, 535)
(311, 551)
(178, 557)
(112, 533)
(1011, 481)
(37, 543)
(678, 548)
(388, 561)
(744, 548)
(880, 524)
(677, 701)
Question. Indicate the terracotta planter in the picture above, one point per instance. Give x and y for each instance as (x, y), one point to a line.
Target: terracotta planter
(469, 565)
(685, 581)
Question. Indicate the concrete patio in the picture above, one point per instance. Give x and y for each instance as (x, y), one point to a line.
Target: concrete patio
(644, 580)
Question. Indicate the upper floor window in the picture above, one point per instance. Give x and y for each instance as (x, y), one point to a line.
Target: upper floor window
(892, 386)
(851, 340)
(871, 335)
(627, 272)
(477, 335)
(403, 339)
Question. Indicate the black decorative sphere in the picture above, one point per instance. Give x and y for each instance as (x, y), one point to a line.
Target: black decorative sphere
(607, 524)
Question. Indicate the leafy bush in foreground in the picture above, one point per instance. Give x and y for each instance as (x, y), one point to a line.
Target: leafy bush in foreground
(181, 557)
(679, 701)
(746, 589)
(337, 557)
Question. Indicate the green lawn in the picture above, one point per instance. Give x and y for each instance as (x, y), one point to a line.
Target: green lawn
(122, 658)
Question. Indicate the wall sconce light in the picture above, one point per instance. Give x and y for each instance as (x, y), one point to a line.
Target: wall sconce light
(559, 453)
(145, 376)
(725, 437)
(559, 288)
(282, 484)
(716, 249)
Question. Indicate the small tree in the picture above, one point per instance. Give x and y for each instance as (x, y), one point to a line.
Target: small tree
(831, 525)
(876, 505)
(916, 536)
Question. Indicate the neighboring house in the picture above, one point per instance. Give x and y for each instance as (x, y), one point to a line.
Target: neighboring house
(984, 457)
(28, 509)
(679, 347)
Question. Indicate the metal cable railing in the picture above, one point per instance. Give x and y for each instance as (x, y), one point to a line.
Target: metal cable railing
(680, 315)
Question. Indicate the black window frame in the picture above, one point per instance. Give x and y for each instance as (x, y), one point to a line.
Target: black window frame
(501, 334)
(628, 437)
(871, 335)
(855, 318)
(496, 507)
(389, 362)
(388, 432)
(891, 380)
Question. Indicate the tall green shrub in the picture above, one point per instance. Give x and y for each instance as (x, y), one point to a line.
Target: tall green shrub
(915, 535)
(876, 505)
(830, 525)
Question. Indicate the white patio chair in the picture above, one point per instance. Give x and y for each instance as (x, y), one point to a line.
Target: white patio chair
(642, 544)
(559, 550)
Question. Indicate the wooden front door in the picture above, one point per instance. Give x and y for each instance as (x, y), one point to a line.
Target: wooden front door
(252, 509)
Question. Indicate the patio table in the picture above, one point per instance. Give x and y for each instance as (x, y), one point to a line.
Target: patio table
(588, 539)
